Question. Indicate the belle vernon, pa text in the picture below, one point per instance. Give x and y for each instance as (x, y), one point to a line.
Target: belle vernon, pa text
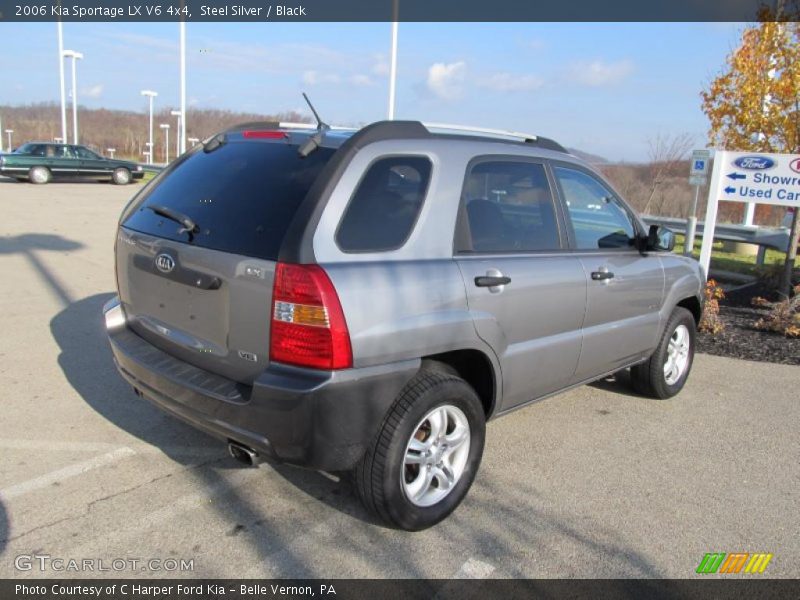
(135, 589)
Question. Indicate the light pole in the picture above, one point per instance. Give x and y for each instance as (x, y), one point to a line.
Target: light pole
(75, 56)
(1, 137)
(147, 154)
(58, 140)
(111, 151)
(393, 60)
(61, 79)
(9, 132)
(150, 95)
(179, 114)
(194, 141)
(165, 127)
(182, 132)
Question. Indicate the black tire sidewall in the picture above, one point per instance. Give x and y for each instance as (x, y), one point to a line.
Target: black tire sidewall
(679, 317)
(402, 511)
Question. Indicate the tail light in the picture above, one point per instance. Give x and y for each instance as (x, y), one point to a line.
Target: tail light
(308, 327)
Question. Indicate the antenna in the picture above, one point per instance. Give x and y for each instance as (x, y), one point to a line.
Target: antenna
(321, 125)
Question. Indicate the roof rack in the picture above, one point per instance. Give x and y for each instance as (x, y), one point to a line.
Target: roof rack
(481, 130)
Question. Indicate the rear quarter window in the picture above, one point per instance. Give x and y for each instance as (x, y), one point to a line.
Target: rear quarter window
(242, 196)
(385, 206)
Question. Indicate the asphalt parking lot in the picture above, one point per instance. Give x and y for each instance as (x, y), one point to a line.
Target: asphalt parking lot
(596, 482)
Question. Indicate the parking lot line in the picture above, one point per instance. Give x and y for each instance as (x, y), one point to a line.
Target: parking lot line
(474, 569)
(59, 475)
(56, 446)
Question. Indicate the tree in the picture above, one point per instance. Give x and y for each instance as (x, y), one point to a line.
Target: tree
(667, 154)
(754, 103)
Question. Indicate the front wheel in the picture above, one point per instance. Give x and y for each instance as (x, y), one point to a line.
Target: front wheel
(426, 455)
(39, 175)
(664, 374)
(121, 176)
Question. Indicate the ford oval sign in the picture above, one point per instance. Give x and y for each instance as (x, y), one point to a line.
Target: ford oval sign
(754, 163)
(165, 263)
(795, 165)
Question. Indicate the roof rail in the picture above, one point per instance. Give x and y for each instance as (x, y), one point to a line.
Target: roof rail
(481, 130)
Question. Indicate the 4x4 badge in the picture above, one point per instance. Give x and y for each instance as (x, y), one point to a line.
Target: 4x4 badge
(165, 263)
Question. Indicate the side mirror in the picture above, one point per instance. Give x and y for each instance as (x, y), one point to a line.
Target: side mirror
(660, 239)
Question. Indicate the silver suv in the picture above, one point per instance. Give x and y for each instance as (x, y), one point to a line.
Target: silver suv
(366, 300)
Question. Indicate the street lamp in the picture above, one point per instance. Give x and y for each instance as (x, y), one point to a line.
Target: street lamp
(75, 56)
(150, 95)
(179, 114)
(58, 140)
(61, 81)
(165, 127)
(147, 154)
(9, 132)
(111, 151)
(193, 141)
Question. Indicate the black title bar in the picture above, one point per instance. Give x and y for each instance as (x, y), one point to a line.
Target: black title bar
(259, 11)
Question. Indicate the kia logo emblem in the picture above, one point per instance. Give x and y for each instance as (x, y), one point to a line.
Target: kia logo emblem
(754, 163)
(165, 263)
(795, 165)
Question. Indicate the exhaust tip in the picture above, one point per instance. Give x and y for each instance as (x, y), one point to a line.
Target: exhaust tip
(243, 454)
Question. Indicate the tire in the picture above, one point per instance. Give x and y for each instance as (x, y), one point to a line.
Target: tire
(384, 481)
(121, 176)
(675, 350)
(40, 175)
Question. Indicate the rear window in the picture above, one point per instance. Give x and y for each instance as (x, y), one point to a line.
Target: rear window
(242, 196)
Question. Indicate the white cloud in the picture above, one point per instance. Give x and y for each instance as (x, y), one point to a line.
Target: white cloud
(93, 92)
(361, 80)
(510, 82)
(317, 78)
(446, 81)
(599, 73)
(381, 65)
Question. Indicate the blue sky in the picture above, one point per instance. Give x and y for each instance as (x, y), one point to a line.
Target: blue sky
(602, 88)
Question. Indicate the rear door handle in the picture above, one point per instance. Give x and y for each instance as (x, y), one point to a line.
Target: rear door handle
(602, 274)
(492, 280)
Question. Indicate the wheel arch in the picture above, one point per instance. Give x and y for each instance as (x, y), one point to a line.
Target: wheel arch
(476, 368)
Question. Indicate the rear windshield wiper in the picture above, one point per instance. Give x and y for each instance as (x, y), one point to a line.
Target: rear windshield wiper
(189, 226)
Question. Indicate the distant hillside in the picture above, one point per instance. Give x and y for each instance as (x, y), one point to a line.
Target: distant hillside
(126, 131)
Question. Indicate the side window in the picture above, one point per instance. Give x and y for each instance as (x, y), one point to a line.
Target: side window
(598, 220)
(509, 208)
(82, 152)
(64, 152)
(385, 206)
(38, 150)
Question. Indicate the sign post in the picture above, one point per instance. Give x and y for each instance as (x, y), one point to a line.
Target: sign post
(749, 177)
(697, 177)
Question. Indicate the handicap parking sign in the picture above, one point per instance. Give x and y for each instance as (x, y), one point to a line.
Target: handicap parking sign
(699, 165)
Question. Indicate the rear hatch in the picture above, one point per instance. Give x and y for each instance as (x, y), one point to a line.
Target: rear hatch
(205, 297)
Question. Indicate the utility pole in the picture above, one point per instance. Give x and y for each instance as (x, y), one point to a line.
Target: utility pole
(61, 79)
(393, 59)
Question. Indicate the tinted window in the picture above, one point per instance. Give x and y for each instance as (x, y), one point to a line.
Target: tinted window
(385, 206)
(243, 195)
(85, 153)
(598, 219)
(510, 208)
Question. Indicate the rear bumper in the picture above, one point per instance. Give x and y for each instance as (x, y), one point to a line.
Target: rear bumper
(318, 419)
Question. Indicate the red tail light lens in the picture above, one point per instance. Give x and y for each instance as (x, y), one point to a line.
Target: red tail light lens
(308, 327)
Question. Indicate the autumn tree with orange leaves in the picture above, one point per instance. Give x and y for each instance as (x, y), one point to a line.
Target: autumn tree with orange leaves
(754, 103)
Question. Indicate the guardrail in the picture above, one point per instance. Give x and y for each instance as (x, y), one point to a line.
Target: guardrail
(763, 237)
